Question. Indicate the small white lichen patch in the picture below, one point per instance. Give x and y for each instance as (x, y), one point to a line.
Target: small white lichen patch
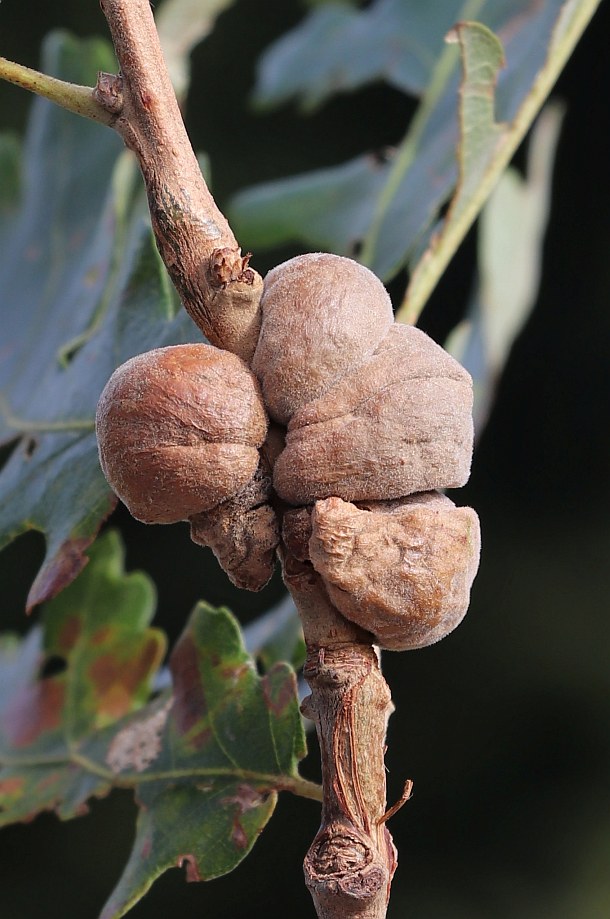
(139, 744)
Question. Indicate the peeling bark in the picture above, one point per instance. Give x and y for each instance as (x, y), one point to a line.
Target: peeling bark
(351, 862)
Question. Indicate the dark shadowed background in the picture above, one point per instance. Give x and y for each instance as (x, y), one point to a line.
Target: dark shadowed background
(505, 726)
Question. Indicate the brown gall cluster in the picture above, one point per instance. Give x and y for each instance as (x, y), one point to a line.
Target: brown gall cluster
(369, 420)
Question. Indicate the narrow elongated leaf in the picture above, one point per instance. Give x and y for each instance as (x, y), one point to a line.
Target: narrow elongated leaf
(512, 228)
(206, 758)
(384, 212)
(82, 290)
(486, 144)
(480, 135)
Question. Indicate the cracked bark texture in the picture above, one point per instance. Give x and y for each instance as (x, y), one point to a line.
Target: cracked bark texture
(351, 862)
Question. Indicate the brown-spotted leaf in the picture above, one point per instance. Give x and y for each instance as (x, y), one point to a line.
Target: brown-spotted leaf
(208, 762)
(89, 666)
(78, 715)
(207, 830)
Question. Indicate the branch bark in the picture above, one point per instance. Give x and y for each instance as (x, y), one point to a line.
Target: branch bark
(352, 859)
(219, 290)
(351, 862)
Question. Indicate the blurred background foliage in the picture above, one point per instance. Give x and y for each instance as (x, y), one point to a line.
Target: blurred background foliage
(505, 726)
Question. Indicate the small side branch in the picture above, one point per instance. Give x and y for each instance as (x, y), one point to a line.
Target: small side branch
(405, 796)
(74, 98)
(217, 287)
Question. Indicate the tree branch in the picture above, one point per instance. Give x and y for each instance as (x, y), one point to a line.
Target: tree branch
(352, 859)
(350, 864)
(218, 289)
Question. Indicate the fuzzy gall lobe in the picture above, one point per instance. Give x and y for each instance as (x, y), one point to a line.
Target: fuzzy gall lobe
(243, 533)
(378, 419)
(400, 422)
(321, 315)
(402, 570)
(178, 431)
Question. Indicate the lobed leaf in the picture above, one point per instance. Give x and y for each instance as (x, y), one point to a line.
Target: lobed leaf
(206, 760)
(101, 657)
(238, 735)
(207, 830)
(83, 290)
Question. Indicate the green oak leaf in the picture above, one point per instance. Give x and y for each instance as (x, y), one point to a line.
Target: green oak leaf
(486, 141)
(232, 740)
(83, 289)
(327, 209)
(385, 210)
(206, 758)
(97, 638)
